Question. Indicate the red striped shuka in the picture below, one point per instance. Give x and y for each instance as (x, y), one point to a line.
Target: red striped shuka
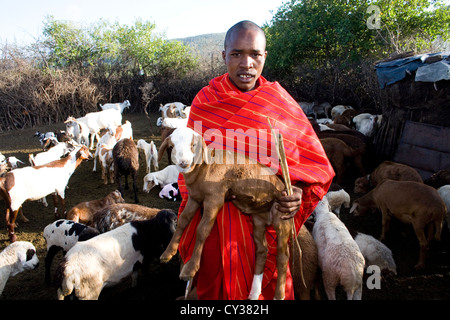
(229, 118)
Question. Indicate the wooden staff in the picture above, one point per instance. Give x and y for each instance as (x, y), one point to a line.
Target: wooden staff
(287, 181)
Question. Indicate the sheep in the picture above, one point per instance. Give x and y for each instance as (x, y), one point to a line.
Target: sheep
(170, 192)
(102, 261)
(62, 235)
(84, 212)
(95, 121)
(151, 154)
(386, 170)
(338, 151)
(118, 214)
(410, 202)
(116, 106)
(340, 258)
(126, 162)
(336, 199)
(211, 184)
(33, 183)
(161, 178)
(444, 192)
(77, 130)
(376, 253)
(15, 258)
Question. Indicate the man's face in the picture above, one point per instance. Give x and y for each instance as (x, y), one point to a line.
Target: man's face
(244, 56)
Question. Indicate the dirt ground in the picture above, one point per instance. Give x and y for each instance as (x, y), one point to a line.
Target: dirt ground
(163, 284)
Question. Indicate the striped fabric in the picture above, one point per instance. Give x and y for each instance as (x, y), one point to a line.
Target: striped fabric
(229, 118)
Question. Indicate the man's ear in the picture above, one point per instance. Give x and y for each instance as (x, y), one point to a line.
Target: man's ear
(224, 56)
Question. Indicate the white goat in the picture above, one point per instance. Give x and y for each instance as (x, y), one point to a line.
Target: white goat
(116, 106)
(109, 257)
(95, 121)
(15, 258)
(77, 130)
(179, 107)
(33, 183)
(174, 122)
(52, 154)
(338, 109)
(109, 140)
(340, 258)
(160, 178)
(151, 154)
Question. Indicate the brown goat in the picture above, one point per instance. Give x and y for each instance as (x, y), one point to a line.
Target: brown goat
(249, 185)
(84, 211)
(410, 202)
(126, 162)
(337, 152)
(386, 170)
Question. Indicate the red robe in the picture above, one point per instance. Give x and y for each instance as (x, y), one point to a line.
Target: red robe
(228, 258)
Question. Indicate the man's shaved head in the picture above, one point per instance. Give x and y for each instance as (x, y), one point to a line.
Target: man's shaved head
(242, 25)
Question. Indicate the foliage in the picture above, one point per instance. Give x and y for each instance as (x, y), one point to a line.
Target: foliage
(108, 49)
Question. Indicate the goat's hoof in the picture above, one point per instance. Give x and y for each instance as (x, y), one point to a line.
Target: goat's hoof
(12, 237)
(188, 271)
(165, 257)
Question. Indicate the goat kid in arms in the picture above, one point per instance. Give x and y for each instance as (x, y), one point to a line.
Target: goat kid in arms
(249, 185)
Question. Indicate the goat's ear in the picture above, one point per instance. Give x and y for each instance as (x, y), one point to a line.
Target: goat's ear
(166, 143)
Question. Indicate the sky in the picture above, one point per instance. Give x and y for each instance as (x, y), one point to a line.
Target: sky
(22, 21)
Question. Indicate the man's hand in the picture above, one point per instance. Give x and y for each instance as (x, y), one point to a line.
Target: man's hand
(289, 204)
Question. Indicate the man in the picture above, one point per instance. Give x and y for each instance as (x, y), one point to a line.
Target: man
(240, 102)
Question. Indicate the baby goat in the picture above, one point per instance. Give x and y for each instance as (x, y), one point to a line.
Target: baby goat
(254, 187)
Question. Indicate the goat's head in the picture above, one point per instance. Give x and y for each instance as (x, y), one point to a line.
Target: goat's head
(149, 182)
(84, 154)
(188, 146)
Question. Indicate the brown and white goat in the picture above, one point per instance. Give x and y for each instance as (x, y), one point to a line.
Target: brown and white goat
(33, 183)
(410, 202)
(84, 211)
(126, 162)
(249, 185)
(386, 170)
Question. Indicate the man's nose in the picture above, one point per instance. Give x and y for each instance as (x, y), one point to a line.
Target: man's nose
(246, 62)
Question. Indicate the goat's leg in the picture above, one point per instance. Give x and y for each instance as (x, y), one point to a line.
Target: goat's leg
(283, 229)
(419, 230)
(210, 211)
(11, 223)
(385, 221)
(259, 237)
(135, 189)
(183, 220)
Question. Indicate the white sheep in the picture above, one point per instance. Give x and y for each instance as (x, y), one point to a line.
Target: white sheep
(151, 154)
(336, 199)
(340, 258)
(444, 192)
(63, 235)
(117, 106)
(33, 183)
(106, 259)
(376, 253)
(161, 178)
(15, 258)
